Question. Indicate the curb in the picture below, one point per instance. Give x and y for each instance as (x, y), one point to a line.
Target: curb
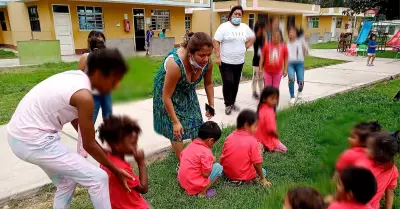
(155, 155)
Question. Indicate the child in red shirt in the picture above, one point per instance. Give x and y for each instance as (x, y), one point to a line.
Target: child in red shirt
(121, 134)
(357, 142)
(304, 197)
(381, 149)
(241, 158)
(198, 171)
(355, 188)
(266, 131)
(274, 58)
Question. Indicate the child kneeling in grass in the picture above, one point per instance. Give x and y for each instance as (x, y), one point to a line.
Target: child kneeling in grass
(198, 171)
(241, 157)
(121, 134)
(355, 189)
(267, 132)
(304, 198)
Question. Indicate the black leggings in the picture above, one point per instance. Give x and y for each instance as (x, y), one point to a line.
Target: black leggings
(231, 75)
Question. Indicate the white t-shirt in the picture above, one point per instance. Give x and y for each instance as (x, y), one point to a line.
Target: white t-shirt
(296, 50)
(46, 108)
(233, 42)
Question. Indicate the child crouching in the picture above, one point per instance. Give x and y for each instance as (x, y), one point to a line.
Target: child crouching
(241, 157)
(121, 134)
(198, 171)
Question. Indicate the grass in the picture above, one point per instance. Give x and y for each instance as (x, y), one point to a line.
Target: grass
(327, 45)
(315, 135)
(385, 54)
(7, 54)
(137, 84)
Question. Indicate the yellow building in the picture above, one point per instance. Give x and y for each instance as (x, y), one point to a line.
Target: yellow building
(289, 13)
(333, 20)
(71, 21)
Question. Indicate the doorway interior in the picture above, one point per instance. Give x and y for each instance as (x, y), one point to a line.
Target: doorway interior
(140, 29)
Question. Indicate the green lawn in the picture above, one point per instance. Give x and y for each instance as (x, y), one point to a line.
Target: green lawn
(385, 54)
(315, 135)
(7, 54)
(137, 84)
(327, 45)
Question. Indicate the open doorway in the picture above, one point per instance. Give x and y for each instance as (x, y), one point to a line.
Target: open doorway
(140, 29)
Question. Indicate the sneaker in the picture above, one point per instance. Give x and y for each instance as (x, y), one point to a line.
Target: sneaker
(235, 108)
(228, 110)
(372, 64)
(299, 95)
(292, 101)
(255, 95)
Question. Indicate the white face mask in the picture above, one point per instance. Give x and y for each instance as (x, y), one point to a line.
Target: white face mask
(194, 63)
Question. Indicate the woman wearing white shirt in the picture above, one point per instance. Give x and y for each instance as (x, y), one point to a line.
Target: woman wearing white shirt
(231, 41)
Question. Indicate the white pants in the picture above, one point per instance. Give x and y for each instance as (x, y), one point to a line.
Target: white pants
(66, 169)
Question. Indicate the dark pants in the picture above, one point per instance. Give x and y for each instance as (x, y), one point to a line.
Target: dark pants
(231, 75)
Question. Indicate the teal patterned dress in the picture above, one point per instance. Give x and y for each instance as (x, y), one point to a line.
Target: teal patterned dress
(184, 100)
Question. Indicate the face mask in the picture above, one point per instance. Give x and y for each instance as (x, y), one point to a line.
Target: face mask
(194, 63)
(236, 20)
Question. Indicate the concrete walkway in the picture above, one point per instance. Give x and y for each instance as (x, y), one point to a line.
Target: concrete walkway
(6, 63)
(18, 178)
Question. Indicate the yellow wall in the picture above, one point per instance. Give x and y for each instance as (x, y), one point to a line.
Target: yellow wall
(113, 14)
(19, 22)
(45, 18)
(325, 23)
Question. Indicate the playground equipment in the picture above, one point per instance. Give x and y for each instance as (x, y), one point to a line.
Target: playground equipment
(363, 35)
(394, 41)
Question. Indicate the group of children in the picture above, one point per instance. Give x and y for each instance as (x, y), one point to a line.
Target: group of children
(273, 58)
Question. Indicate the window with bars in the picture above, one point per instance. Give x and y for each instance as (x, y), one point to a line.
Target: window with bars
(34, 18)
(187, 23)
(90, 18)
(313, 22)
(160, 19)
(224, 18)
(252, 20)
(339, 21)
(3, 21)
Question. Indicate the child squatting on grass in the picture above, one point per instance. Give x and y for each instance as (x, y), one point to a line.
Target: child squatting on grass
(266, 132)
(304, 198)
(198, 171)
(121, 133)
(355, 189)
(241, 157)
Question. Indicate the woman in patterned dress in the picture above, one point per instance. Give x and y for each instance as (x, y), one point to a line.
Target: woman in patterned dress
(176, 109)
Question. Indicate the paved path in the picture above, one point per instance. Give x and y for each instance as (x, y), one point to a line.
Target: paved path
(18, 178)
(6, 63)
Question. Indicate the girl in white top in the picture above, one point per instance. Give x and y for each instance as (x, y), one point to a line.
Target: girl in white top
(231, 41)
(60, 99)
(297, 50)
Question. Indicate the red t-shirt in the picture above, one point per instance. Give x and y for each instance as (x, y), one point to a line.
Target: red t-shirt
(196, 158)
(350, 157)
(274, 57)
(239, 154)
(348, 205)
(119, 197)
(386, 179)
(267, 124)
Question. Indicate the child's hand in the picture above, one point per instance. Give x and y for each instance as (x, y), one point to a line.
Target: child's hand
(138, 155)
(329, 199)
(265, 182)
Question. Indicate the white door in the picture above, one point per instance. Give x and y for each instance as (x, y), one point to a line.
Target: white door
(333, 26)
(63, 29)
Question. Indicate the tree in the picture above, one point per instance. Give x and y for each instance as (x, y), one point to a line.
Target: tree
(389, 8)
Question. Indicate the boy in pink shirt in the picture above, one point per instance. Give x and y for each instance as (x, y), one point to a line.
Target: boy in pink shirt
(381, 150)
(357, 142)
(241, 157)
(198, 171)
(121, 134)
(355, 189)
